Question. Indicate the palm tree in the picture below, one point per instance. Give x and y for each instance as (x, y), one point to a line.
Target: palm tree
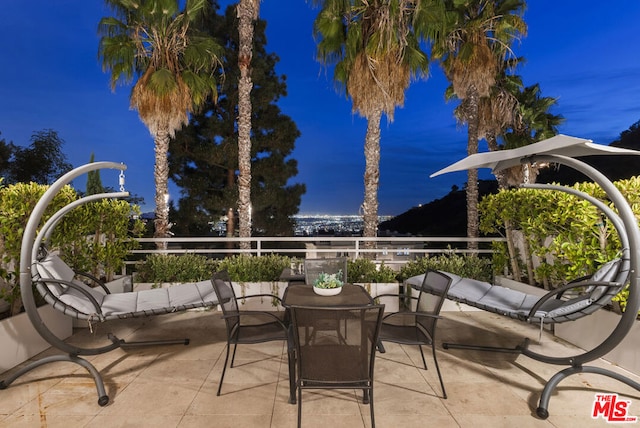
(496, 113)
(248, 11)
(520, 116)
(155, 42)
(472, 49)
(535, 123)
(375, 52)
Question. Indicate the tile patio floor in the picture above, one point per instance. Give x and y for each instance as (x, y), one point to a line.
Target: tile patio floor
(175, 386)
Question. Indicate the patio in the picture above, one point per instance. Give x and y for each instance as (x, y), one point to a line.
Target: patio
(175, 386)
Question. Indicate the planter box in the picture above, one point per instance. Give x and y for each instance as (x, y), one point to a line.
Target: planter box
(259, 304)
(391, 304)
(20, 340)
(120, 285)
(589, 331)
(447, 306)
(278, 287)
(241, 289)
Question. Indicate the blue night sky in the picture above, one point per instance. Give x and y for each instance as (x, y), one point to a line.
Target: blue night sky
(586, 56)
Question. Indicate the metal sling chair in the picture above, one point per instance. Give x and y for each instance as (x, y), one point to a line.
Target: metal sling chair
(597, 290)
(61, 288)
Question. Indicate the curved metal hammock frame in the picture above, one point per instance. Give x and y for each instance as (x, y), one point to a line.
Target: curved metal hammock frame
(626, 225)
(31, 265)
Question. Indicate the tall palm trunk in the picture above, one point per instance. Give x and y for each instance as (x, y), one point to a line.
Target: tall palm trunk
(371, 176)
(161, 177)
(247, 13)
(231, 219)
(472, 175)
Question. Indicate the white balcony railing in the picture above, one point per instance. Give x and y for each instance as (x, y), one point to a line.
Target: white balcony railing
(391, 250)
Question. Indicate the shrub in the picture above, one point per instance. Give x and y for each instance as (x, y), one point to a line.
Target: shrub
(470, 266)
(96, 237)
(158, 268)
(622, 298)
(246, 268)
(568, 234)
(365, 270)
(243, 268)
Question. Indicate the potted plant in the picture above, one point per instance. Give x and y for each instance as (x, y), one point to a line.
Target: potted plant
(328, 284)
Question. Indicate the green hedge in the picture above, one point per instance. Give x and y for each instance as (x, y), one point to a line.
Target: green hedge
(470, 266)
(365, 270)
(158, 268)
(245, 268)
(568, 234)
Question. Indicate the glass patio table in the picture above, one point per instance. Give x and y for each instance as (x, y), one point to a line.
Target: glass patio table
(303, 295)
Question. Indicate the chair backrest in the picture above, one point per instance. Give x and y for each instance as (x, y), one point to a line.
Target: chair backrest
(433, 292)
(608, 272)
(80, 300)
(339, 357)
(223, 288)
(593, 297)
(314, 267)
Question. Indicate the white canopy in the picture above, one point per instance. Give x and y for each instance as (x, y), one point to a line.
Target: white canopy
(559, 145)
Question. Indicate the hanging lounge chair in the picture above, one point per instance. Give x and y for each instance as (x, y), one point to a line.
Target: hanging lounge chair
(63, 289)
(596, 291)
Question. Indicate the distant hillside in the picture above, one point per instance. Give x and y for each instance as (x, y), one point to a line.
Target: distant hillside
(448, 216)
(442, 217)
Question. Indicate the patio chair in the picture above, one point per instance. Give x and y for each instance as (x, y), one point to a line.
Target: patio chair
(418, 327)
(327, 361)
(314, 267)
(250, 326)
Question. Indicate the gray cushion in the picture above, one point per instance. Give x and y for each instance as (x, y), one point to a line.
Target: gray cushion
(122, 305)
(53, 267)
(518, 304)
(160, 300)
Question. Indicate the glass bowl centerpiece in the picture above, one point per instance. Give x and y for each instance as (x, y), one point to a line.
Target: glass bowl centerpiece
(328, 284)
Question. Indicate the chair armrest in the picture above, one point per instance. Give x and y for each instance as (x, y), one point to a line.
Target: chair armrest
(240, 314)
(398, 295)
(557, 292)
(395, 295)
(260, 295)
(410, 314)
(70, 284)
(94, 280)
(271, 296)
